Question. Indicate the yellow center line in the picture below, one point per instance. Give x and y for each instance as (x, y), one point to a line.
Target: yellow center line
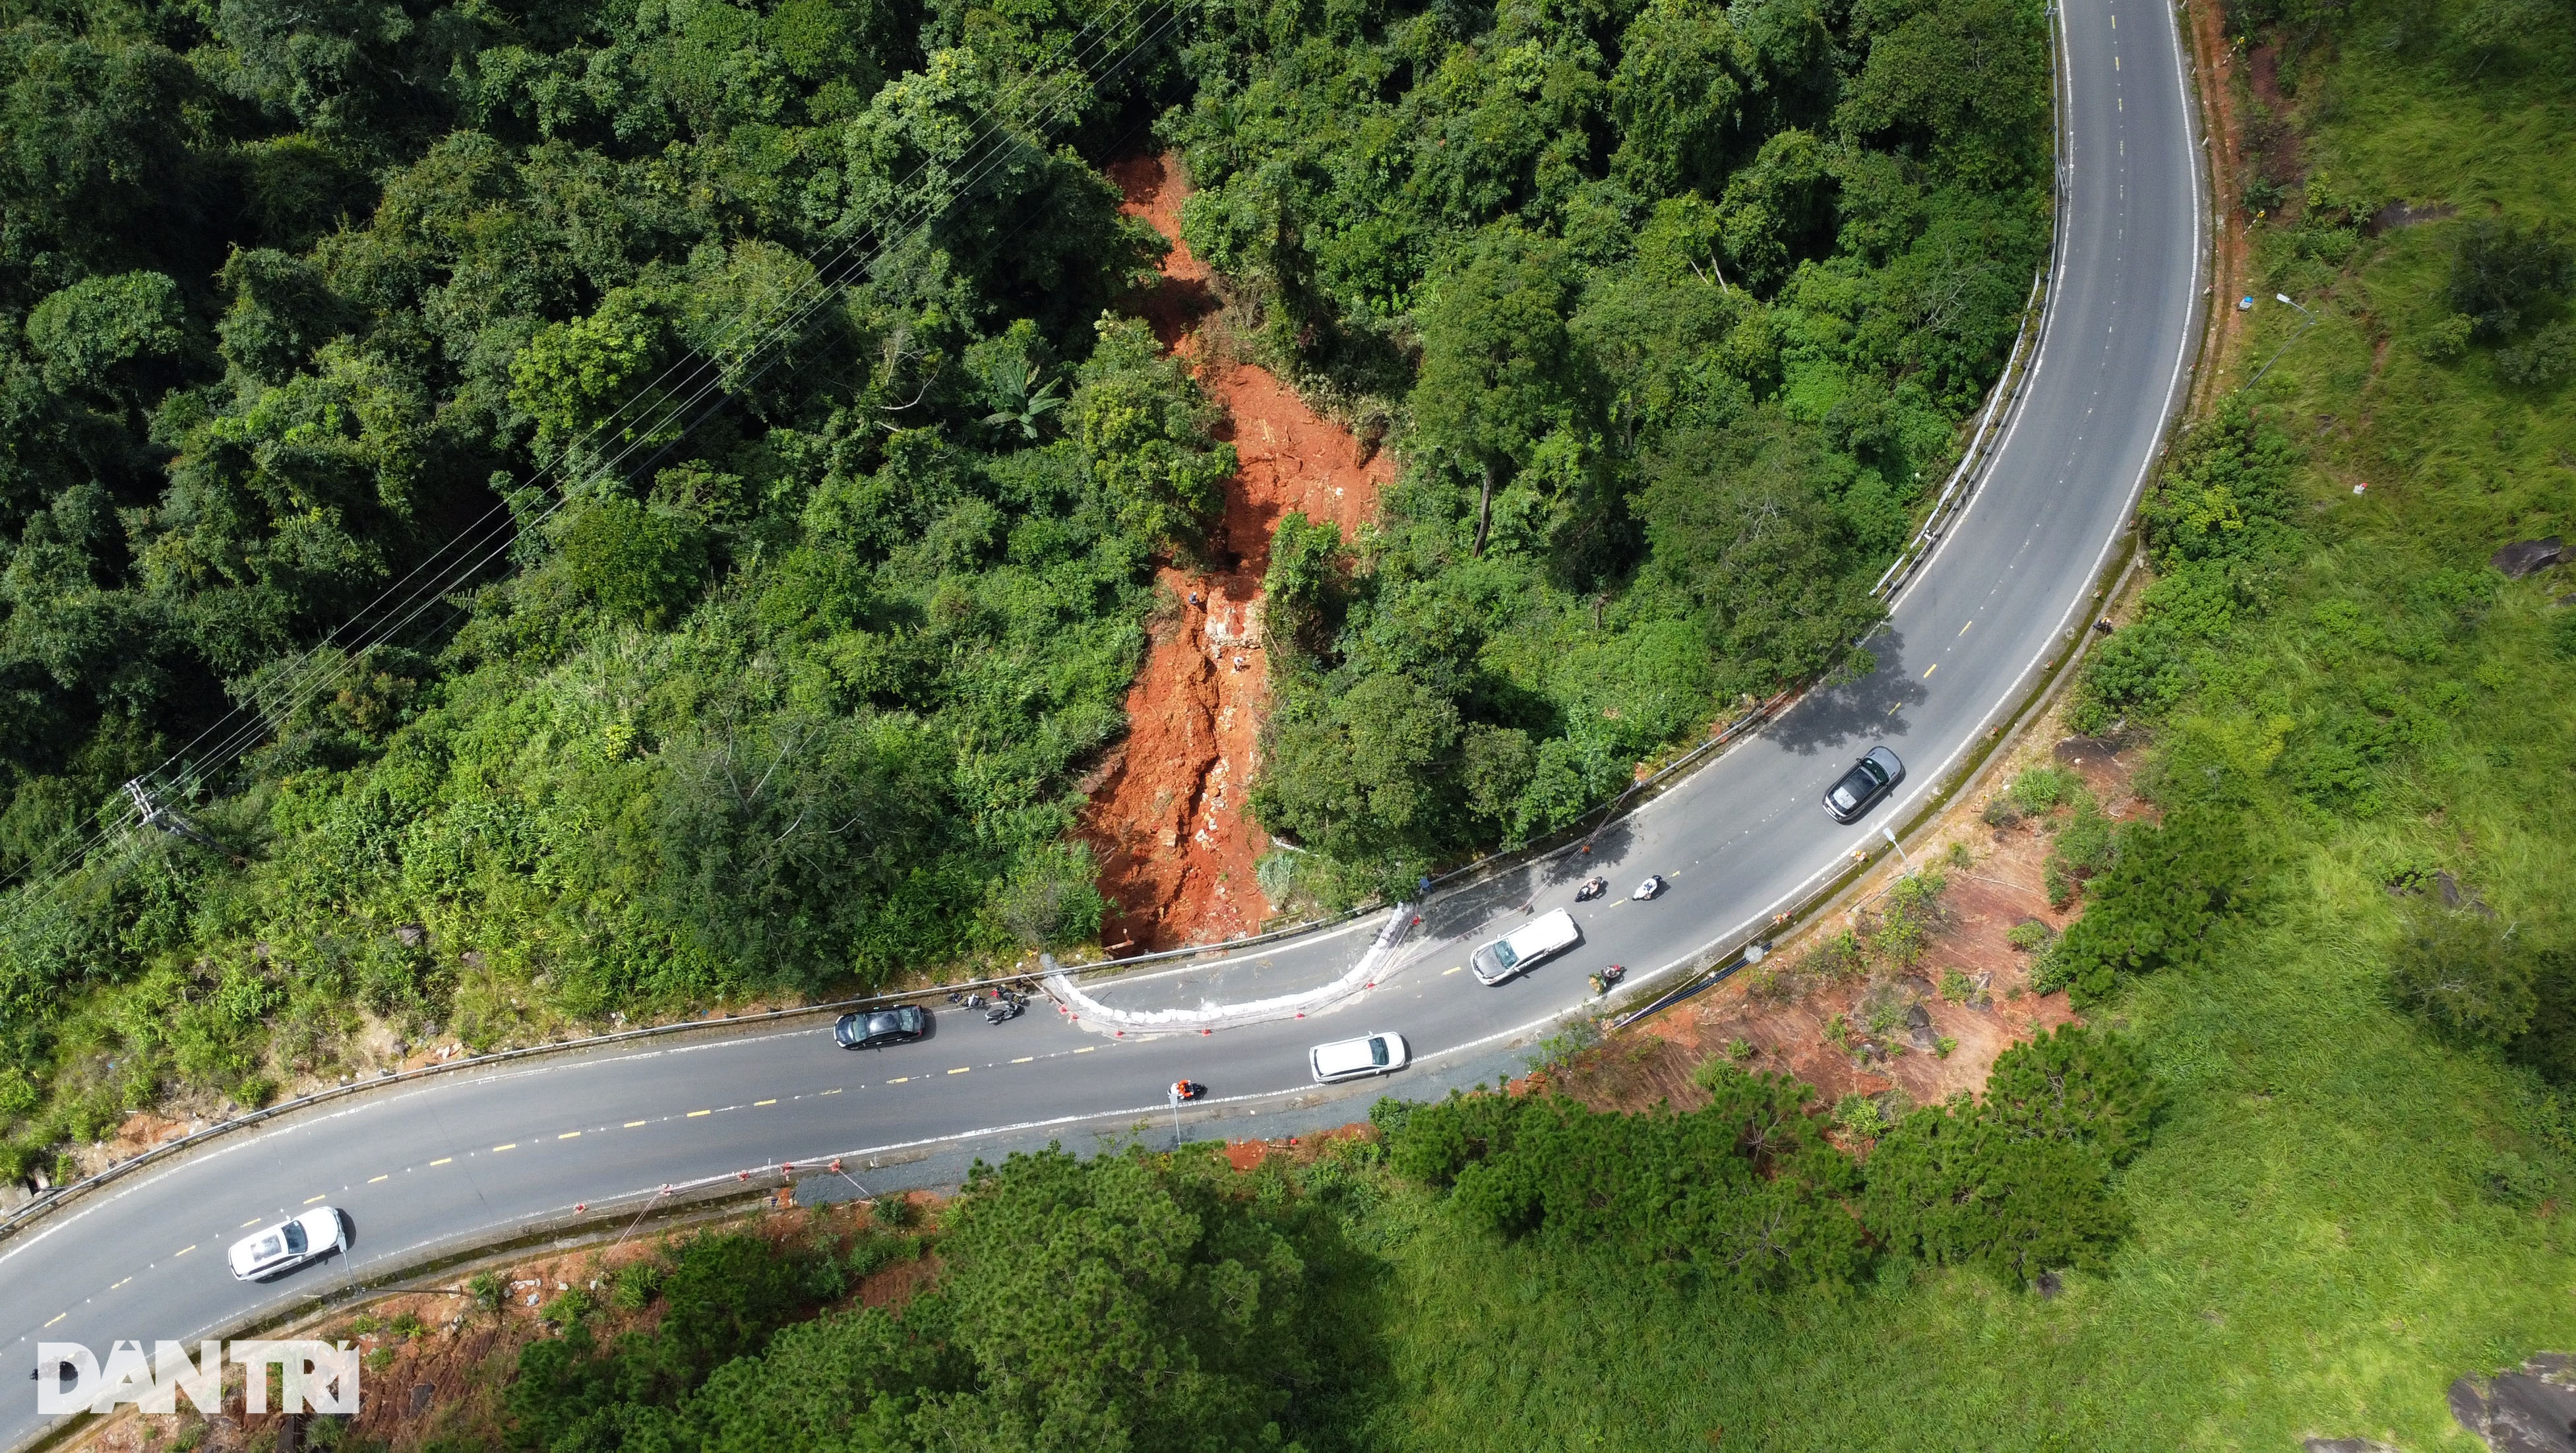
(1445, 973)
(1928, 670)
(58, 1316)
(1086, 1049)
(569, 1135)
(182, 1251)
(1024, 1059)
(253, 1221)
(631, 1124)
(694, 1114)
(316, 1198)
(831, 1092)
(380, 1178)
(513, 1145)
(119, 1284)
(899, 1079)
(442, 1160)
(1963, 630)
(961, 1069)
(756, 1104)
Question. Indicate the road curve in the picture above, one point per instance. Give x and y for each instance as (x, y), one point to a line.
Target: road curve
(472, 1157)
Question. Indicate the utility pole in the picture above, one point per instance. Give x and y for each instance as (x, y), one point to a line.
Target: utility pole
(2285, 347)
(156, 814)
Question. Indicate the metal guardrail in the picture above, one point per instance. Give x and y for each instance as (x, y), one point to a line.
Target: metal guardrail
(1953, 498)
(49, 1199)
(1954, 495)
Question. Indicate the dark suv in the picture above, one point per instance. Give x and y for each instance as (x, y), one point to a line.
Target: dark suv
(880, 1027)
(1864, 784)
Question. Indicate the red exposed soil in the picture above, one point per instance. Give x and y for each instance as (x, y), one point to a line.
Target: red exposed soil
(2218, 71)
(1169, 817)
(2000, 887)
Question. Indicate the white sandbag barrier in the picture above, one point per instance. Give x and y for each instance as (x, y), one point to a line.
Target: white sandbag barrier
(1081, 1008)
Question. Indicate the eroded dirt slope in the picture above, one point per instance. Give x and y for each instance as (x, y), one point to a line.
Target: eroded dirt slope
(1168, 817)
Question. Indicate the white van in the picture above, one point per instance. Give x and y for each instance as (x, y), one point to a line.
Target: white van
(1522, 949)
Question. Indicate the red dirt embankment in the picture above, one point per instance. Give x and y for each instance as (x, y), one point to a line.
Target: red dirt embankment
(1169, 820)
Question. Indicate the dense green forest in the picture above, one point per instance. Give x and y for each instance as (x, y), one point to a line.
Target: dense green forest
(1684, 304)
(784, 681)
(2312, 1162)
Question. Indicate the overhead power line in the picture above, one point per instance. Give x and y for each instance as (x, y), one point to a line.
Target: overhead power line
(686, 393)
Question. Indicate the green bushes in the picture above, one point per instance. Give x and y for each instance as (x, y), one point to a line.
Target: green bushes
(722, 1295)
(1744, 1190)
(1125, 1301)
(2020, 1183)
(2464, 974)
(2223, 494)
(2169, 889)
(2503, 273)
(1748, 1192)
(2476, 979)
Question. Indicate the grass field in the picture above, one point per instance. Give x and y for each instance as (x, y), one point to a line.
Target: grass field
(2321, 1244)
(2314, 1254)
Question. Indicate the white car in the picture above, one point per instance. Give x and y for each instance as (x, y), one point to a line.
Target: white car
(1522, 949)
(288, 1244)
(1352, 1059)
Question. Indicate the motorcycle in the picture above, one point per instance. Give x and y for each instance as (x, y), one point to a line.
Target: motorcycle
(1590, 889)
(1187, 1089)
(1603, 981)
(1005, 1010)
(1653, 887)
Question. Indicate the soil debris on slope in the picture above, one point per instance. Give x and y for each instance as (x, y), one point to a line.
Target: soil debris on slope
(1169, 817)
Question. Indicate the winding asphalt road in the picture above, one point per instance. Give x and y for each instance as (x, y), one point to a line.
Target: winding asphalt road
(479, 1156)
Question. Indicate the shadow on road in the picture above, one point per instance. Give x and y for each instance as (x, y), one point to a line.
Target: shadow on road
(1526, 888)
(1854, 714)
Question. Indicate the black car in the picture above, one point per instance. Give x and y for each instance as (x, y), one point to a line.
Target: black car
(1864, 784)
(880, 1027)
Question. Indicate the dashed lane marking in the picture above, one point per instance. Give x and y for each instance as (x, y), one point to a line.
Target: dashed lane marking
(119, 1284)
(631, 1124)
(443, 1160)
(314, 1199)
(1024, 1059)
(833, 1091)
(513, 1145)
(58, 1316)
(899, 1079)
(385, 1177)
(182, 1251)
(756, 1104)
(961, 1069)
(569, 1135)
(1445, 973)
(694, 1114)
(253, 1221)
(1928, 670)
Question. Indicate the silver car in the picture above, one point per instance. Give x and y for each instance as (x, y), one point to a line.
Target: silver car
(288, 1244)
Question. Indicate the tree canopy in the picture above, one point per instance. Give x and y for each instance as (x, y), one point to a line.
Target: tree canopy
(657, 572)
